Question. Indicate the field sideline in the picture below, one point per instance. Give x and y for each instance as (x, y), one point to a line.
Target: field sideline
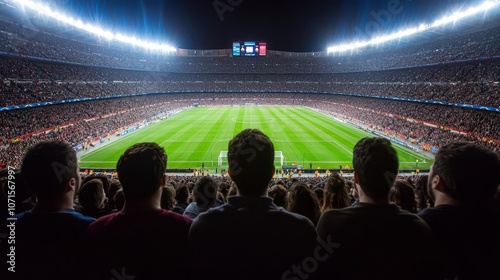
(199, 134)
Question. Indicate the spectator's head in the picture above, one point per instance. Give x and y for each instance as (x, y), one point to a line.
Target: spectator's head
(104, 180)
(351, 189)
(224, 189)
(319, 193)
(205, 192)
(279, 195)
(233, 190)
(50, 170)
(403, 194)
(92, 196)
(423, 200)
(168, 197)
(335, 193)
(464, 173)
(375, 164)
(119, 200)
(302, 200)
(141, 170)
(182, 194)
(251, 162)
(190, 186)
(114, 186)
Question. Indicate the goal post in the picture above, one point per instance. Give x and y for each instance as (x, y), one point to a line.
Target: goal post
(222, 158)
(278, 156)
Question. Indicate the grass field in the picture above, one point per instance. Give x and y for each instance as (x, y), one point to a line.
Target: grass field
(199, 134)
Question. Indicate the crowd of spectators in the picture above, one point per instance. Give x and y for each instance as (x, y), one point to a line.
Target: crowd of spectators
(480, 123)
(102, 117)
(96, 70)
(80, 131)
(457, 44)
(249, 235)
(390, 216)
(26, 81)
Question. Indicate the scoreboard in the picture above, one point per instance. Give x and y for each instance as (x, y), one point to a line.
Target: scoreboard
(249, 48)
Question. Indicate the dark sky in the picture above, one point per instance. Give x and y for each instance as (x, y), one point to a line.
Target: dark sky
(292, 25)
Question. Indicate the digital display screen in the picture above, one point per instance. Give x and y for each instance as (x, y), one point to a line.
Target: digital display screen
(236, 49)
(249, 48)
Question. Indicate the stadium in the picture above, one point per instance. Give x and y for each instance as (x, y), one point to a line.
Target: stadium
(118, 91)
(420, 88)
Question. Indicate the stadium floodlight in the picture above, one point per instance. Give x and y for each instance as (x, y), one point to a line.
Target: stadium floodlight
(408, 32)
(93, 29)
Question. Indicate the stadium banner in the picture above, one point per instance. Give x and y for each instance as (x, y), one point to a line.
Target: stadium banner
(396, 140)
(430, 124)
(342, 121)
(41, 104)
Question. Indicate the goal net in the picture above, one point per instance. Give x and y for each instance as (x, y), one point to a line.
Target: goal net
(278, 158)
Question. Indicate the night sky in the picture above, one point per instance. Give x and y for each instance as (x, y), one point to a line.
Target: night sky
(292, 25)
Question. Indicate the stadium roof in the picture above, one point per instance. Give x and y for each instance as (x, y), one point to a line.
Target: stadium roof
(37, 19)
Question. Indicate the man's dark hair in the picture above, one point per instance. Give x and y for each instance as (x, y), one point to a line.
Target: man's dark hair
(303, 201)
(48, 166)
(470, 173)
(403, 193)
(167, 197)
(279, 195)
(205, 192)
(182, 194)
(251, 161)
(104, 179)
(119, 199)
(140, 170)
(336, 195)
(91, 195)
(375, 162)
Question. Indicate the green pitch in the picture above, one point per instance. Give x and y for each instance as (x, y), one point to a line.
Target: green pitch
(198, 135)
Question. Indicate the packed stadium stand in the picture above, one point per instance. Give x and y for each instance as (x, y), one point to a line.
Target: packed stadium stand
(439, 87)
(149, 215)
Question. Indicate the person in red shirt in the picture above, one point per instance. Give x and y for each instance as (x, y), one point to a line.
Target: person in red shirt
(142, 240)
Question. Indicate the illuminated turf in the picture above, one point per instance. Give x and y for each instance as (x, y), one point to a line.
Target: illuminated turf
(199, 134)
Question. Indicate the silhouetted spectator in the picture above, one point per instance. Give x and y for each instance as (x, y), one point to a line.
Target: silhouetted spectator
(52, 232)
(119, 200)
(377, 240)
(92, 199)
(464, 218)
(279, 194)
(142, 239)
(168, 200)
(403, 194)
(114, 187)
(205, 197)
(302, 200)
(182, 196)
(250, 237)
(335, 193)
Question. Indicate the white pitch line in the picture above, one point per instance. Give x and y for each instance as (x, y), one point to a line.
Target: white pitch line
(343, 148)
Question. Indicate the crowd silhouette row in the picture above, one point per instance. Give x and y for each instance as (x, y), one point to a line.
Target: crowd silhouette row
(142, 223)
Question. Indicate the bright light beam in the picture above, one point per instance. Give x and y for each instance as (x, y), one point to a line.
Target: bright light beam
(408, 32)
(93, 29)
